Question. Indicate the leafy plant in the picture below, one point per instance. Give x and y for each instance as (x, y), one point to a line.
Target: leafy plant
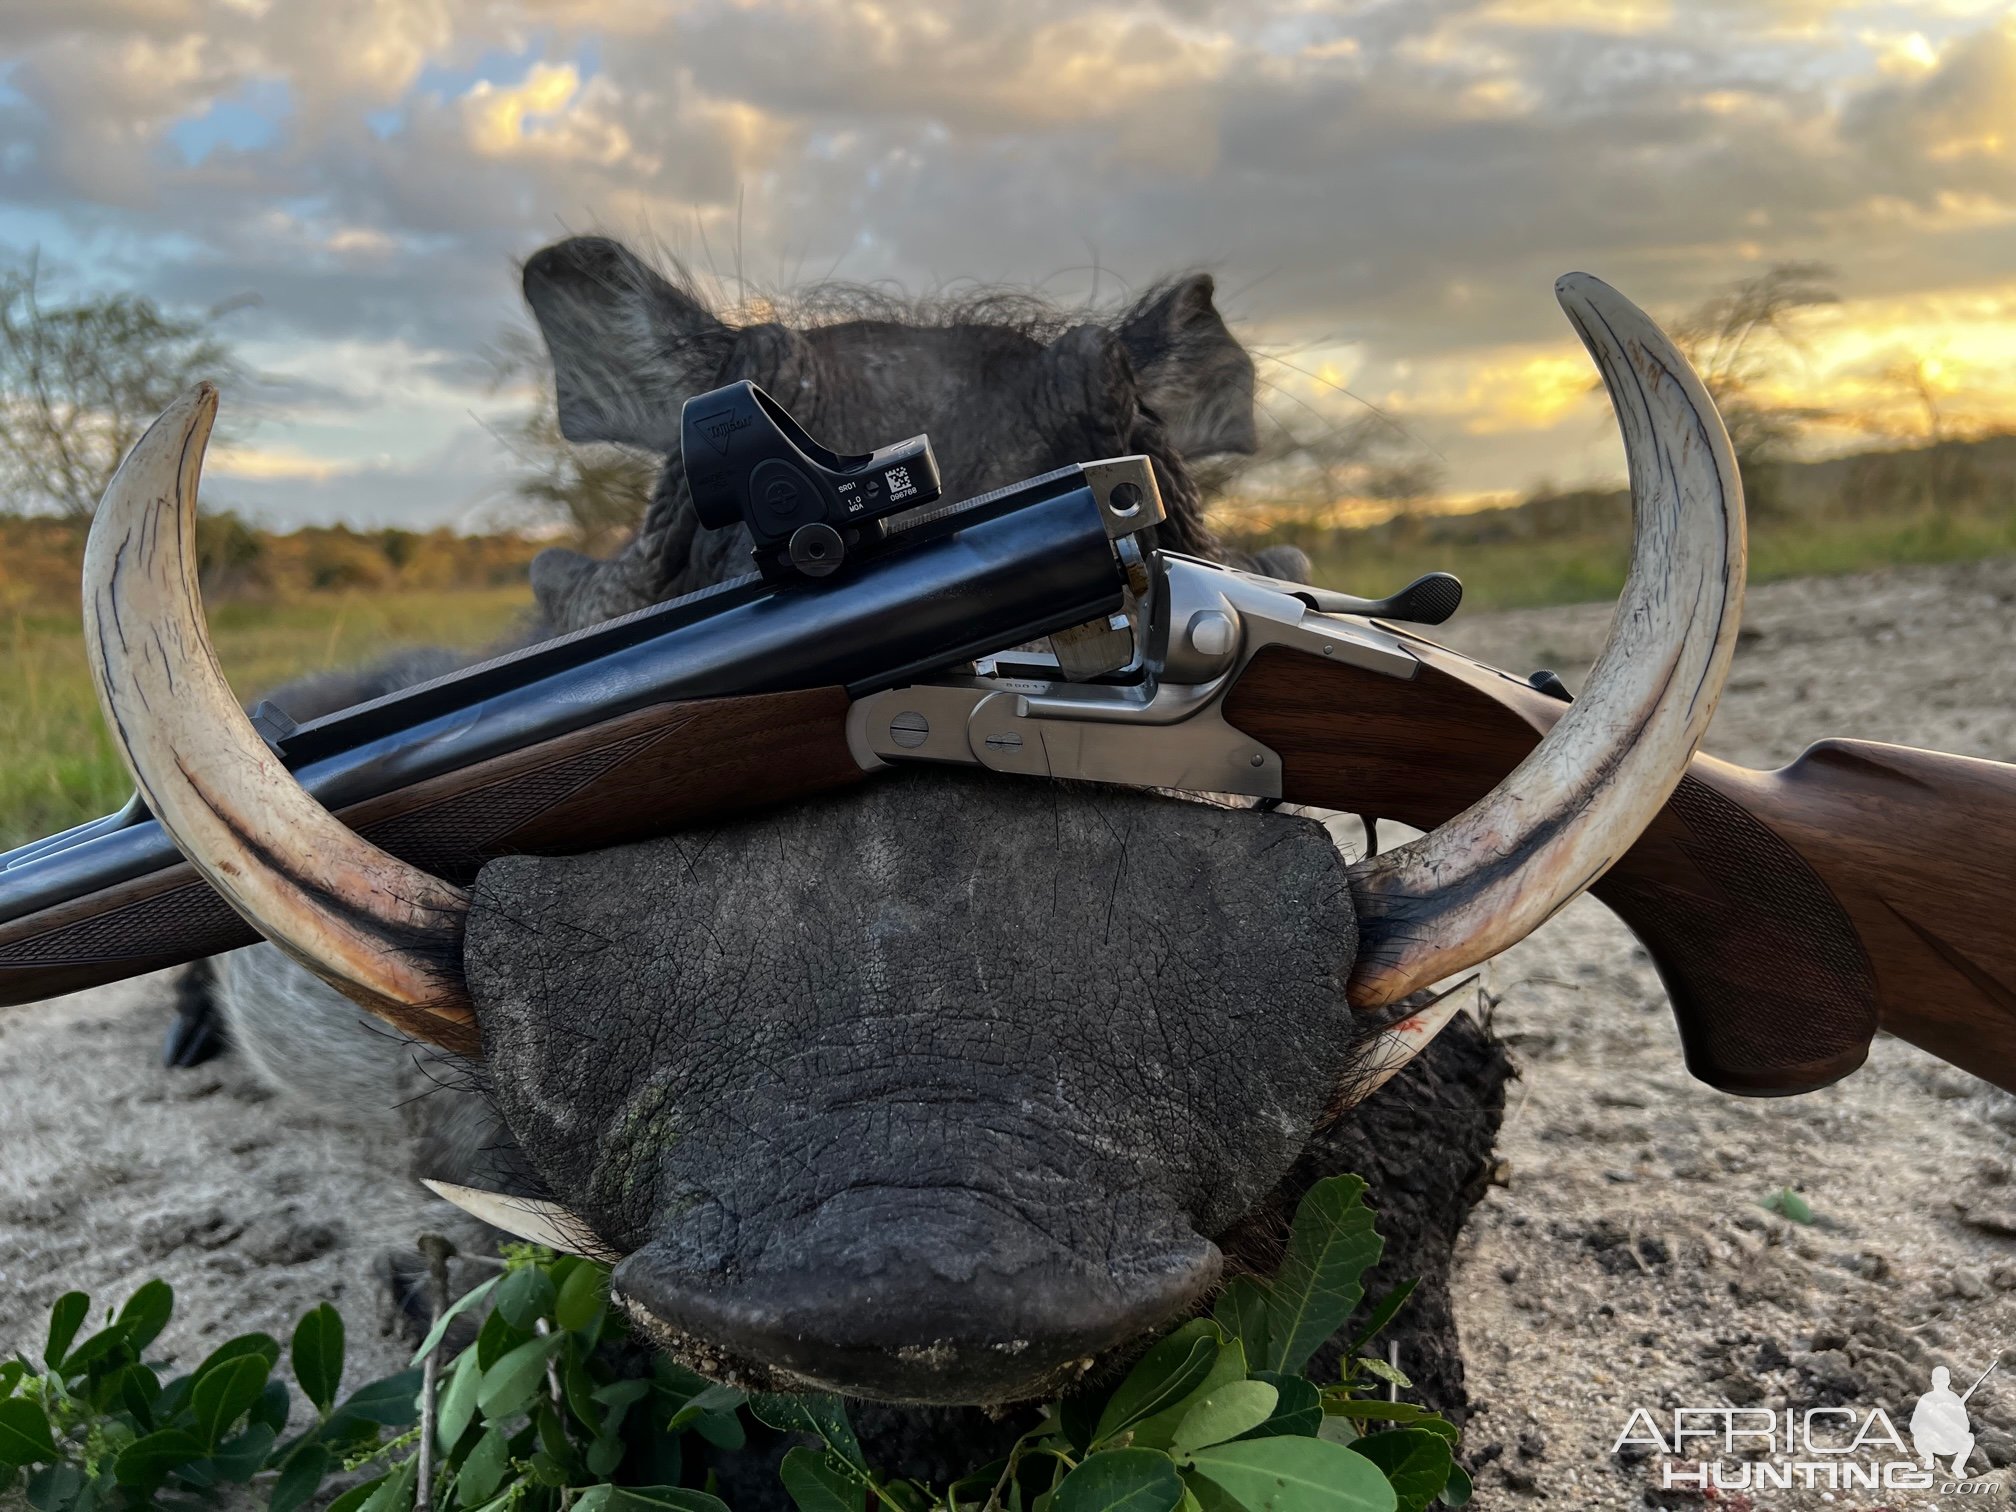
(1788, 1204)
(548, 1410)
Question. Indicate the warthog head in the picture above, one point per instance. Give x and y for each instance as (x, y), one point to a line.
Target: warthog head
(945, 1090)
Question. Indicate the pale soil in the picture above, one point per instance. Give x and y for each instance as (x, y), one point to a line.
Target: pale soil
(1626, 1261)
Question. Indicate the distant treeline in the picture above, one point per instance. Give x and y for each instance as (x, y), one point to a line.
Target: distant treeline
(41, 557)
(1951, 479)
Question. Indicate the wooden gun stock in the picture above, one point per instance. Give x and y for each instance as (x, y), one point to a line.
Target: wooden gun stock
(625, 779)
(1791, 914)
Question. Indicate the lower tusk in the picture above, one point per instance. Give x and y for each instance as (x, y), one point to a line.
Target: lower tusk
(1392, 1049)
(532, 1219)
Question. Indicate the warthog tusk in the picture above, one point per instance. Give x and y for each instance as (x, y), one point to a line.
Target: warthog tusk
(385, 933)
(1502, 867)
(530, 1218)
(1392, 1048)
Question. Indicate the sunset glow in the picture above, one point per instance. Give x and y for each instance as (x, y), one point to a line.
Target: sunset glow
(1386, 192)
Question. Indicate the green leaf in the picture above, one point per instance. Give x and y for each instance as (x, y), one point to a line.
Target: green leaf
(1295, 1475)
(65, 1318)
(1121, 1480)
(11, 1374)
(709, 1398)
(273, 1406)
(646, 1499)
(137, 1389)
(146, 1462)
(1241, 1310)
(509, 1385)
(395, 1492)
(55, 1488)
(457, 1405)
(1298, 1410)
(265, 1346)
(24, 1433)
(823, 1416)
(483, 1471)
(524, 1297)
(817, 1484)
(1389, 1305)
(1225, 1413)
(1370, 1409)
(1459, 1490)
(1787, 1203)
(244, 1456)
(1330, 1247)
(604, 1455)
(454, 1310)
(224, 1393)
(1167, 1374)
(496, 1338)
(582, 1297)
(317, 1354)
(300, 1478)
(1158, 1430)
(145, 1314)
(98, 1346)
(1372, 1365)
(356, 1496)
(390, 1403)
(1416, 1463)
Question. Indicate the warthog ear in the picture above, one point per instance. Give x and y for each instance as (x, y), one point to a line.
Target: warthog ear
(1192, 370)
(628, 345)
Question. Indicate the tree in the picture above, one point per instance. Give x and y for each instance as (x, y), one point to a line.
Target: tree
(1738, 342)
(80, 381)
(1307, 465)
(595, 492)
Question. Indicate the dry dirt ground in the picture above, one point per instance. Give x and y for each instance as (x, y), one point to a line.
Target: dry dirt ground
(1626, 1261)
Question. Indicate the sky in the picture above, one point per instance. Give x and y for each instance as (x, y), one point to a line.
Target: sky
(1385, 190)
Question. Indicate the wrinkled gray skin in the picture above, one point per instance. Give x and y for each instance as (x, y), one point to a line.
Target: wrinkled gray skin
(945, 1091)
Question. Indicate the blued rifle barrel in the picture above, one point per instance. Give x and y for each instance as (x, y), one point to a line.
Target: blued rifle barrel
(976, 577)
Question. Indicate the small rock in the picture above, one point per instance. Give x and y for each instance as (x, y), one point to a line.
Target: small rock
(1508, 1272)
(1998, 1218)
(1633, 1453)
(165, 1233)
(284, 1239)
(1532, 1444)
(1829, 1377)
(2003, 1277)
(1964, 1282)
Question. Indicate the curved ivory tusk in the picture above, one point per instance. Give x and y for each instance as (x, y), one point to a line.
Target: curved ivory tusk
(1391, 1049)
(532, 1219)
(382, 932)
(1502, 867)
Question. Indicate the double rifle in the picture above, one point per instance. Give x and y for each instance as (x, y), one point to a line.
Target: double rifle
(1038, 630)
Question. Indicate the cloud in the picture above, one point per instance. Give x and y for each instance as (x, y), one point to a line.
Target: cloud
(1405, 178)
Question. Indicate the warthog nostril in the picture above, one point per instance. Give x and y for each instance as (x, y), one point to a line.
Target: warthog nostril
(933, 1310)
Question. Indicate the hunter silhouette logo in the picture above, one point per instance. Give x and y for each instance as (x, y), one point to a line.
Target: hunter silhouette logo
(1939, 1423)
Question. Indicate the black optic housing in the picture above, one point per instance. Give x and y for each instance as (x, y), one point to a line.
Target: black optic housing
(807, 506)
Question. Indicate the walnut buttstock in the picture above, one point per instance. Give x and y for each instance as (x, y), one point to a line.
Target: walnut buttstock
(629, 778)
(1791, 914)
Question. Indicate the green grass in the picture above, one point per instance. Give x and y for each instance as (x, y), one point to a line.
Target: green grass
(1579, 569)
(58, 768)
